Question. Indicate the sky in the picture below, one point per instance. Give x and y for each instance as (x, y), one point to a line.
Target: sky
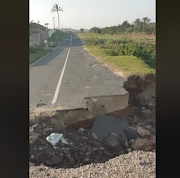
(89, 13)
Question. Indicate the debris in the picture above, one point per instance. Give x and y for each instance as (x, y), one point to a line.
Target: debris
(112, 141)
(95, 149)
(55, 160)
(143, 107)
(129, 150)
(144, 101)
(130, 134)
(40, 104)
(142, 132)
(103, 125)
(147, 112)
(81, 130)
(54, 138)
(107, 153)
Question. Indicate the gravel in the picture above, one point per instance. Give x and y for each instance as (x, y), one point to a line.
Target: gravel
(136, 164)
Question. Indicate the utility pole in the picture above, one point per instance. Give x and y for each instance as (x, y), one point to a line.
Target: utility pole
(38, 32)
(54, 22)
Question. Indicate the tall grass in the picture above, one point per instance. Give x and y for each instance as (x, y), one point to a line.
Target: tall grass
(143, 49)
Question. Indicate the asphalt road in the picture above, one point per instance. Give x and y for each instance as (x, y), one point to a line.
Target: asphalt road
(68, 75)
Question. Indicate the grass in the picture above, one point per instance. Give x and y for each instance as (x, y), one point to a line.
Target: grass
(128, 65)
(39, 53)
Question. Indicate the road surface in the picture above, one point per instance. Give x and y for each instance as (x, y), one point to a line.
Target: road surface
(68, 75)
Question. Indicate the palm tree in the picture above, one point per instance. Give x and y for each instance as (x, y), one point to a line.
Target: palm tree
(82, 30)
(56, 8)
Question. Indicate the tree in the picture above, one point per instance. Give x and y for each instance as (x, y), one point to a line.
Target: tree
(144, 21)
(56, 8)
(81, 30)
(136, 24)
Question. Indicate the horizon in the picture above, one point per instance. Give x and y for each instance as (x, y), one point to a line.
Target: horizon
(77, 15)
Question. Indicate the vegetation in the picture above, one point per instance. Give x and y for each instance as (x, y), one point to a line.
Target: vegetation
(138, 26)
(36, 52)
(130, 55)
(56, 8)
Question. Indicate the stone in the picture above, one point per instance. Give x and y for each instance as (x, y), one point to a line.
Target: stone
(40, 105)
(84, 138)
(68, 155)
(142, 132)
(123, 139)
(95, 149)
(84, 149)
(107, 153)
(86, 159)
(48, 163)
(76, 155)
(34, 126)
(40, 148)
(138, 143)
(129, 150)
(48, 129)
(71, 160)
(147, 112)
(38, 130)
(32, 156)
(56, 159)
(151, 104)
(130, 134)
(144, 101)
(112, 141)
(102, 148)
(61, 155)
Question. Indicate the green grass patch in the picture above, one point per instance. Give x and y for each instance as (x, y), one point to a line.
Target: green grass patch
(38, 54)
(130, 55)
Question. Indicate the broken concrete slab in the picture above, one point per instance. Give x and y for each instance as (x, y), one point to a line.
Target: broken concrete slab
(107, 104)
(103, 125)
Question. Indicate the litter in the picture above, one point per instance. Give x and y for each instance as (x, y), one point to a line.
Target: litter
(54, 138)
(81, 130)
(143, 108)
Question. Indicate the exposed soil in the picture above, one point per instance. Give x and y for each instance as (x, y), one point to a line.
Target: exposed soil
(85, 148)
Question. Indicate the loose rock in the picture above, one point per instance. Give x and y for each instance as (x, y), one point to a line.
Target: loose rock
(142, 132)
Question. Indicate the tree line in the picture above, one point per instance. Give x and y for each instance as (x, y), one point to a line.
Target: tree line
(143, 25)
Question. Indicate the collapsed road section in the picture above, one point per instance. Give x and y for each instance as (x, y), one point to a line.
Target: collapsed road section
(110, 126)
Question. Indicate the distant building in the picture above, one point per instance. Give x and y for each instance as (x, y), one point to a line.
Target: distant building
(34, 37)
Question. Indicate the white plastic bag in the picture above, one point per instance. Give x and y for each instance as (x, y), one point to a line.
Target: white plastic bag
(54, 138)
